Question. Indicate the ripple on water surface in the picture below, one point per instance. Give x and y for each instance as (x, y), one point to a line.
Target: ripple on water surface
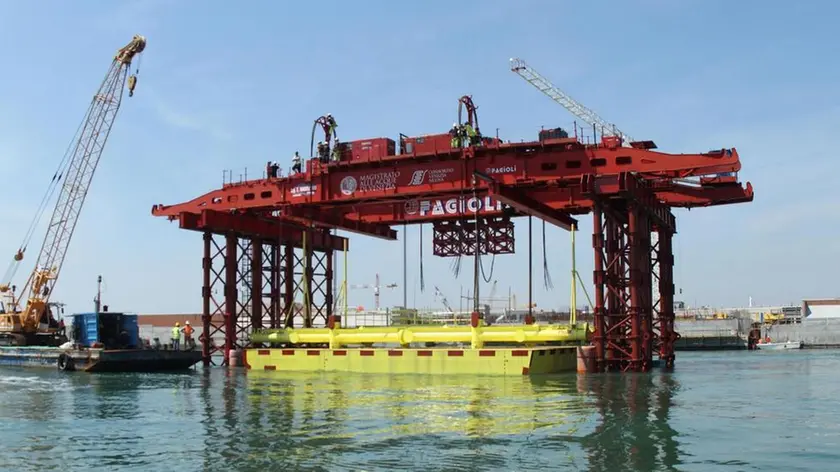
(728, 411)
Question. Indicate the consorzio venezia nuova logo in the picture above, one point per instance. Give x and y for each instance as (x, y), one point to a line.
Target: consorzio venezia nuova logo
(348, 185)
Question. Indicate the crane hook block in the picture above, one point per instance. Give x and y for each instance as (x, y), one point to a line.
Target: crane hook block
(132, 82)
(4, 288)
(19, 256)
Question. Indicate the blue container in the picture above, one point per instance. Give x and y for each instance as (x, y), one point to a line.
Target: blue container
(114, 330)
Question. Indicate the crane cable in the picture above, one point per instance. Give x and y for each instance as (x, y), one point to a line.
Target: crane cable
(11, 270)
(42, 207)
(477, 246)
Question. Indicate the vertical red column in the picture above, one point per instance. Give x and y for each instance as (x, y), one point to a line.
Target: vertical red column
(289, 291)
(634, 310)
(256, 284)
(231, 272)
(274, 313)
(599, 276)
(668, 335)
(646, 284)
(207, 264)
(615, 319)
(641, 290)
(328, 254)
(307, 289)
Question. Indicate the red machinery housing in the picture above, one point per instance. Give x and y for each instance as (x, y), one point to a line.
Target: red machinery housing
(282, 227)
(426, 144)
(368, 149)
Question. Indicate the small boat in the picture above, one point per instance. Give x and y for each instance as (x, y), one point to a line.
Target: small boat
(774, 346)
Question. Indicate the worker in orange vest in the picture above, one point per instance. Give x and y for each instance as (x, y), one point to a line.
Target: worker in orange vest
(188, 332)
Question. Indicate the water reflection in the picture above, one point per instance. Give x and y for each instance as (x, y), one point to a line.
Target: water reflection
(375, 422)
(634, 431)
(221, 420)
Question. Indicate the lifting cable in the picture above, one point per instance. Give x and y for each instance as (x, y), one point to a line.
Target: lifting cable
(492, 267)
(39, 213)
(478, 246)
(456, 266)
(546, 275)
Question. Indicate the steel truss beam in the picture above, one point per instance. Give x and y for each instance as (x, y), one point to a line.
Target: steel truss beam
(514, 164)
(569, 197)
(527, 205)
(254, 283)
(457, 238)
(251, 226)
(337, 221)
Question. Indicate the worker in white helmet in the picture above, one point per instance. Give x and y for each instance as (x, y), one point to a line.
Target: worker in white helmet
(188, 332)
(455, 134)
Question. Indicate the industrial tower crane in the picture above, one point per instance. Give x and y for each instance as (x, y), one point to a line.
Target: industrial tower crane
(376, 289)
(543, 85)
(34, 324)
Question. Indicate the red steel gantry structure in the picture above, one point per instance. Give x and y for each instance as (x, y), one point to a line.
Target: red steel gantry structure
(265, 240)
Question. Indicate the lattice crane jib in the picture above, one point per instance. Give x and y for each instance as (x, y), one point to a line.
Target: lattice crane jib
(73, 181)
(576, 108)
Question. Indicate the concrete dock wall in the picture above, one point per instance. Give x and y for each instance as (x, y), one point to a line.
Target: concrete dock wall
(812, 333)
(711, 334)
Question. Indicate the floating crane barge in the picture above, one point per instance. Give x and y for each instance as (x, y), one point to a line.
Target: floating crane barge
(261, 235)
(30, 332)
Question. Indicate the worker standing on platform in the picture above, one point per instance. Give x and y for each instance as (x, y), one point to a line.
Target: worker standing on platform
(323, 152)
(176, 336)
(296, 163)
(332, 126)
(189, 344)
(273, 167)
(336, 151)
(455, 133)
(470, 135)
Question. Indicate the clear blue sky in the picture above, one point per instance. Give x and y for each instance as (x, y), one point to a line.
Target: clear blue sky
(223, 86)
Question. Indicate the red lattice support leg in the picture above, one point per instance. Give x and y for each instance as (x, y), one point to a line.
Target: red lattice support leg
(618, 328)
(231, 276)
(245, 291)
(641, 311)
(206, 295)
(667, 334)
(328, 281)
(214, 321)
(289, 308)
(272, 267)
(624, 335)
(599, 339)
(307, 288)
(256, 284)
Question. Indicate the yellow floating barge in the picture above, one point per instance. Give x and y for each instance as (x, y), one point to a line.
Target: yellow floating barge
(496, 350)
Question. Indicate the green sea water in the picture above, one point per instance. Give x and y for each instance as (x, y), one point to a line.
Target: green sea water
(716, 412)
